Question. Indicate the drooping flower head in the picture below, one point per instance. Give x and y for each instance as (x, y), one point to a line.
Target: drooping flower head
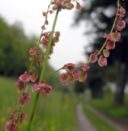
(121, 12)
(102, 61)
(11, 125)
(121, 24)
(24, 98)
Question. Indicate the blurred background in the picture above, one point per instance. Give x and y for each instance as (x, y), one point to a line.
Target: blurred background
(102, 100)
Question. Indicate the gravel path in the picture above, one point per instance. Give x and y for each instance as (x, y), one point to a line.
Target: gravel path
(83, 122)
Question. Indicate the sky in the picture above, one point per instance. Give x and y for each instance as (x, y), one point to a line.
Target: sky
(29, 12)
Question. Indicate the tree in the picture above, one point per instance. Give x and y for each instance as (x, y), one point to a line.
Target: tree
(96, 80)
(14, 45)
(79, 87)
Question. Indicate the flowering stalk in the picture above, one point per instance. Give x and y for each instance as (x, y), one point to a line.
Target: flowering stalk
(39, 60)
(43, 70)
(113, 26)
(79, 73)
(48, 48)
(118, 25)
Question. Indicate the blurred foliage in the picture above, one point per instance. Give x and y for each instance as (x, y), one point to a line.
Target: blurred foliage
(96, 80)
(79, 87)
(14, 45)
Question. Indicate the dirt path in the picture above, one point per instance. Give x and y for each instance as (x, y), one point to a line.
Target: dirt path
(83, 122)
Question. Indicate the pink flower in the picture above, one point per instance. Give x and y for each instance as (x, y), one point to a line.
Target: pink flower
(24, 98)
(12, 115)
(66, 78)
(34, 77)
(85, 67)
(45, 37)
(80, 75)
(36, 87)
(43, 88)
(58, 3)
(32, 51)
(20, 86)
(57, 34)
(115, 36)
(22, 116)
(120, 25)
(121, 12)
(93, 57)
(106, 53)
(46, 90)
(25, 77)
(76, 75)
(70, 66)
(110, 45)
(11, 125)
(102, 61)
(44, 42)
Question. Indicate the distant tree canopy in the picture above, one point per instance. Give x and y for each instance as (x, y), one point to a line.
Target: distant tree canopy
(14, 45)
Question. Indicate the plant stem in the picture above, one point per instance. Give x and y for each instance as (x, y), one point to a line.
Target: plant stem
(48, 48)
(43, 70)
(54, 72)
(33, 111)
(113, 26)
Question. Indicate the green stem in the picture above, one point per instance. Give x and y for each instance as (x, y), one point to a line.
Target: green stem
(33, 111)
(43, 70)
(48, 48)
(54, 72)
(113, 26)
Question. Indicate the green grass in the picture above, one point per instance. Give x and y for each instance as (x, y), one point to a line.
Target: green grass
(98, 122)
(7, 98)
(55, 112)
(106, 105)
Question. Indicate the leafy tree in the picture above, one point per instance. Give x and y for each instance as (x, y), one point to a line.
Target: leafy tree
(14, 45)
(96, 80)
(79, 87)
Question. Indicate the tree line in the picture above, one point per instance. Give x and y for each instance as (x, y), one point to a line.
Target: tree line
(14, 45)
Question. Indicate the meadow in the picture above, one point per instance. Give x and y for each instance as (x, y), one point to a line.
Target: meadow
(55, 112)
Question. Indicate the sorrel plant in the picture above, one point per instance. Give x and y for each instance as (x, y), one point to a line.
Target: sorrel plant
(40, 54)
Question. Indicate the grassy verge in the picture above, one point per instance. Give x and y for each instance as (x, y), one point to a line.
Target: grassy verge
(98, 122)
(55, 112)
(7, 98)
(106, 105)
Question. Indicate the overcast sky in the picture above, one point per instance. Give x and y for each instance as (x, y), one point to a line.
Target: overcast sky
(29, 12)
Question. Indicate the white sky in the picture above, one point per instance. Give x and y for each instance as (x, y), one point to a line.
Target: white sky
(29, 12)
